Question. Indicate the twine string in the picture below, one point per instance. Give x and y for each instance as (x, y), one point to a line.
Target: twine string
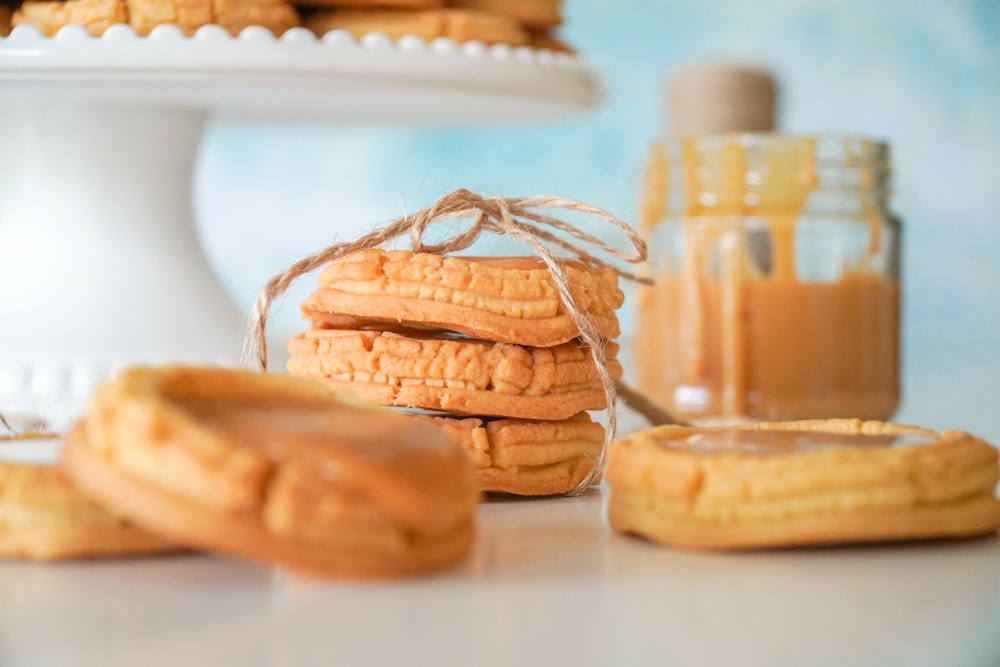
(520, 218)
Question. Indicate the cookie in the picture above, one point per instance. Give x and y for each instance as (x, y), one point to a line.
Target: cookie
(188, 15)
(801, 483)
(233, 15)
(44, 518)
(503, 299)
(5, 16)
(400, 4)
(278, 16)
(456, 375)
(457, 24)
(534, 13)
(144, 15)
(529, 458)
(277, 470)
(49, 16)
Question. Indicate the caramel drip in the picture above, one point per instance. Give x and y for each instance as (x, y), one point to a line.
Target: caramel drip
(655, 190)
(694, 256)
(733, 337)
(732, 254)
(782, 198)
(872, 213)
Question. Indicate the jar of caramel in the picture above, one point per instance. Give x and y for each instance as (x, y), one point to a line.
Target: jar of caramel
(776, 268)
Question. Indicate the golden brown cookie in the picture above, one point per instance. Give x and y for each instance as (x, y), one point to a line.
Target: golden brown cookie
(233, 15)
(369, 4)
(456, 375)
(528, 458)
(801, 483)
(460, 25)
(535, 13)
(144, 15)
(188, 15)
(49, 16)
(275, 469)
(504, 299)
(5, 16)
(43, 517)
(278, 16)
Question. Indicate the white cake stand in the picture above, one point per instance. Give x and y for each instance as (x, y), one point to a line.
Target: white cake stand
(100, 265)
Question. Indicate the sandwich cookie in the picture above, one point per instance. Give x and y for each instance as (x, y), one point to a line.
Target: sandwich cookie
(49, 15)
(43, 517)
(801, 483)
(531, 13)
(528, 458)
(277, 470)
(278, 16)
(373, 4)
(456, 375)
(503, 299)
(484, 338)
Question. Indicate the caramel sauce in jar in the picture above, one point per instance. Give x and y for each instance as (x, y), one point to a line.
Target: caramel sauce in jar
(777, 280)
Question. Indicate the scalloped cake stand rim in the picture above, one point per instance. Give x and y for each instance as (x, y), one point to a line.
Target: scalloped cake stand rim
(217, 71)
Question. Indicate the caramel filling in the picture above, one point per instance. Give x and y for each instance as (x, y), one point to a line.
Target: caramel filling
(742, 441)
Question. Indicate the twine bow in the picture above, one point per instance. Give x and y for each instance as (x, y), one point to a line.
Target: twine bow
(519, 218)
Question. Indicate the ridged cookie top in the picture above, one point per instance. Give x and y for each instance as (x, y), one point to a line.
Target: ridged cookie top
(458, 375)
(503, 299)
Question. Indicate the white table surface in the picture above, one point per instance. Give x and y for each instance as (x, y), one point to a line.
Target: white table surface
(547, 584)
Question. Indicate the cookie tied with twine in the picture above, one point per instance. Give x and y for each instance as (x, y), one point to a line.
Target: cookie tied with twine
(527, 220)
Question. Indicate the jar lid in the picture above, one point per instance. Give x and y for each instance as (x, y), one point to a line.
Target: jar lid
(714, 98)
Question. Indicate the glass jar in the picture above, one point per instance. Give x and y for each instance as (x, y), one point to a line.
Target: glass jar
(777, 280)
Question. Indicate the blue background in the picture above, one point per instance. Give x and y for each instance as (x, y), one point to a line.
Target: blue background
(925, 75)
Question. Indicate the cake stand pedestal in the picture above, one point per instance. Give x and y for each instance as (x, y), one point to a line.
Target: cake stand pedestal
(100, 264)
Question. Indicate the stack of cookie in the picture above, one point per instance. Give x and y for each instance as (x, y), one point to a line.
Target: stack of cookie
(513, 22)
(144, 15)
(484, 342)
